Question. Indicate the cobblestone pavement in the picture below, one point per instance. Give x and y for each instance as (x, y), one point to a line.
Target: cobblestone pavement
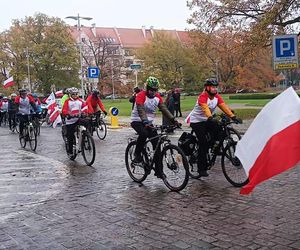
(49, 202)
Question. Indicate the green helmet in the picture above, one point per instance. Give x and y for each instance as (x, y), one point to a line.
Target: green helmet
(152, 83)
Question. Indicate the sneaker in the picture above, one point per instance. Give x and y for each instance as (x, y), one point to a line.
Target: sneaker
(137, 159)
(203, 173)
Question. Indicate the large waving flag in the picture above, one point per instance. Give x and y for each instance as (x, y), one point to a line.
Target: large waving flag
(271, 145)
(8, 82)
(53, 110)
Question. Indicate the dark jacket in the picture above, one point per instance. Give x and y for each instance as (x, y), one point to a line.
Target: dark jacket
(12, 107)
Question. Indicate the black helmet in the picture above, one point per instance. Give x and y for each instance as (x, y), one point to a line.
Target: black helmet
(95, 92)
(211, 82)
(22, 91)
(136, 89)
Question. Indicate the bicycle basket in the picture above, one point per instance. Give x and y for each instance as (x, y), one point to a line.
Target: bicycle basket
(187, 143)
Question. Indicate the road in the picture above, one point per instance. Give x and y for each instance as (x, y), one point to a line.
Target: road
(50, 202)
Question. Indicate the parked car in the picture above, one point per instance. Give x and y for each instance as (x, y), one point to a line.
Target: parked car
(112, 97)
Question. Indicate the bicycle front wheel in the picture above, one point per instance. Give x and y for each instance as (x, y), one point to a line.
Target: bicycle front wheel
(101, 130)
(232, 167)
(136, 171)
(175, 168)
(88, 148)
(22, 138)
(32, 138)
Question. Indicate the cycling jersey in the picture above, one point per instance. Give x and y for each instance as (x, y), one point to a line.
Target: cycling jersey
(149, 104)
(73, 107)
(24, 104)
(4, 106)
(94, 104)
(205, 106)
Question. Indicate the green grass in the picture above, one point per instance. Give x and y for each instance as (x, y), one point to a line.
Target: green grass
(188, 103)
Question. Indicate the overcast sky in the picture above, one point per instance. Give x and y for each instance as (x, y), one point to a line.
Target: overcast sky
(161, 14)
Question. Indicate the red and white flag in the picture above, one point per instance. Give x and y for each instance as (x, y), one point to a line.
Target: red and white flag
(8, 82)
(271, 145)
(53, 110)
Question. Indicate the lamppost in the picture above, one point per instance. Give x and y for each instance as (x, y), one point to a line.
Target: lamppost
(28, 70)
(78, 18)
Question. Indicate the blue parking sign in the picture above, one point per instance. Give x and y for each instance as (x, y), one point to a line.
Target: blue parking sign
(285, 47)
(93, 72)
(285, 52)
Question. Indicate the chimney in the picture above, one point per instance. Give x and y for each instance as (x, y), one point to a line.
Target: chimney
(94, 29)
(144, 31)
(152, 30)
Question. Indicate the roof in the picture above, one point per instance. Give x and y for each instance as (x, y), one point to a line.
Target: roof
(127, 37)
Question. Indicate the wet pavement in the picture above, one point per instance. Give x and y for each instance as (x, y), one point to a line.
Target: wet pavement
(50, 202)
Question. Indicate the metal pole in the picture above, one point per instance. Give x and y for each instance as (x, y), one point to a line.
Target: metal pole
(80, 52)
(28, 70)
(136, 81)
(112, 79)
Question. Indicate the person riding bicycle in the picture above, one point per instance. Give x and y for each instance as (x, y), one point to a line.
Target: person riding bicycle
(202, 121)
(12, 110)
(142, 117)
(3, 108)
(73, 107)
(38, 103)
(94, 103)
(24, 103)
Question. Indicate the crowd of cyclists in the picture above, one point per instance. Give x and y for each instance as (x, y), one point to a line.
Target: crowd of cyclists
(142, 116)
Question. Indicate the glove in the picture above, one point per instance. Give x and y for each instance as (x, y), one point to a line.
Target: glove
(236, 120)
(147, 124)
(105, 113)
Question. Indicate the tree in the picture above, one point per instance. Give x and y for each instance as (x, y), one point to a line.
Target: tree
(52, 55)
(260, 19)
(168, 60)
(103, 52)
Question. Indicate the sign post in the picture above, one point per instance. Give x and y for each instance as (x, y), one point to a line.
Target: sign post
(135, 67)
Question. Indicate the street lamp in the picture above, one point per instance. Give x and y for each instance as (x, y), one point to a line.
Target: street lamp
(78, 18)
(28, 70)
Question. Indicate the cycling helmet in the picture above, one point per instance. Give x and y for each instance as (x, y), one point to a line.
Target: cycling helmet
(152, 83)
(95, 92)
(136, 90)
(21, 91)
(5, 98)
(73, 90)
(211, 82)
(13, 95)
(65, 91)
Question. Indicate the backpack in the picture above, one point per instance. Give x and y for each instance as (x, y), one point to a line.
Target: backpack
(187, 143)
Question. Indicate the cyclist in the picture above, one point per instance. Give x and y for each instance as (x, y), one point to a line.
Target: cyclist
(38, 103)
(201, 120)
(24, 104)
(94, 103)
(3, 109)
(73, 107)
(12, 110)
(142, 117)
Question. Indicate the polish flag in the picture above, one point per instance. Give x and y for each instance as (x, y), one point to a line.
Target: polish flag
(8, 82)
(271, 145)
(53, 111)
(188, 119)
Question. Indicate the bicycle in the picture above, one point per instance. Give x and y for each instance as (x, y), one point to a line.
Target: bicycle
(98, 125)
(174, 165)
(29, 134)
(225, 147)
(37, 123)
(83, 143)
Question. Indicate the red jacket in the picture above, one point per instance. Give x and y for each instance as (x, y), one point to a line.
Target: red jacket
(93, 104)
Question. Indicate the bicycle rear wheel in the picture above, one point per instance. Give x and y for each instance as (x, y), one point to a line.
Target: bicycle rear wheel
(175, 167)
(101, 130)
(32, 138)
(136, 171)
(22, 138)
(88, 148)
(232, 167)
